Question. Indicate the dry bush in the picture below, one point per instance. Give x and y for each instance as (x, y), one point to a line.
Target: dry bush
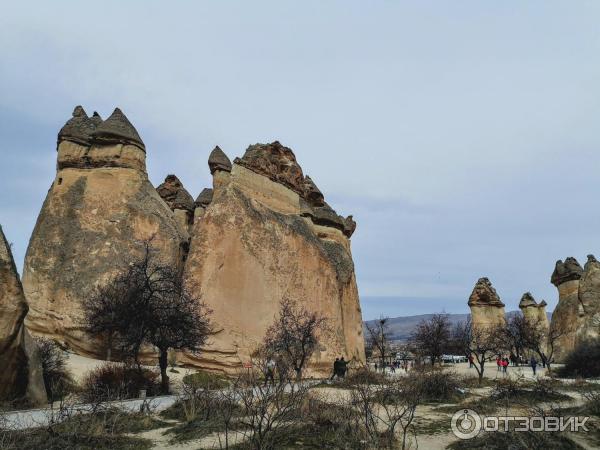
(363, 375)
(438, 385)
(115, 381)
(57, 378)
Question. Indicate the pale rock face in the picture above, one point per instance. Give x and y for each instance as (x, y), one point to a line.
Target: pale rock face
(589, 297)
(99, 208)
(486, 308)
(21, 374)
(253, 246)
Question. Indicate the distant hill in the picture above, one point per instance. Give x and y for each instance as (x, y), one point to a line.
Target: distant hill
(402, 327)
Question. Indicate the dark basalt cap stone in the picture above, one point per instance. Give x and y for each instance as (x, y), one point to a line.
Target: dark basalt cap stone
(218, 160)
(484, 294)
(204, 198)
(78, 128)
(312, 193)
(96, 119)
(117, 129)
(542, 304)
(527, 300)
(175, 195)
(566, 271)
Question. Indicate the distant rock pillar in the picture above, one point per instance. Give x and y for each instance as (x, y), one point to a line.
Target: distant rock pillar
(486, 308)
(589, 298)
(220, 167)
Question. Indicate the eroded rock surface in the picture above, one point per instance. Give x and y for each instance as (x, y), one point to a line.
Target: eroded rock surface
(256, 243)
(179, 200)
(99, 208)
(21, 374)
(486, 308)
(534, 312)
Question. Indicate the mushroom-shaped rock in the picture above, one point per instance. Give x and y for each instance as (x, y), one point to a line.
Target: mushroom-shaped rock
(218, 160)
(484, 294)
(204, 198)
(175, 195)
(566, 271)
(117, 129)
(349, 226)
(312, 194)
(276, 162)
(326, 215)
(78, 128)
(527, 300)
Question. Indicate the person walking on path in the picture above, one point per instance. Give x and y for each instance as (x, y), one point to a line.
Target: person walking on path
(499, 362)
(343, 367)
(270, 371)
(533, 363)
(471, 361)
(504, 365)
(336, 368)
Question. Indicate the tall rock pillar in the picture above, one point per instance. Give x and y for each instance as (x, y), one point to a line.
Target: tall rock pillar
(569, 312)
(99, 209)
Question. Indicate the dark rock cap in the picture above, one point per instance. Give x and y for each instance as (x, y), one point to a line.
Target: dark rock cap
(276, 162)
(312, 194)
(175, 195)
(566, 271)
(218, 160)
(117, 129)
(527, 300)
(542, 304)
(96, 119)
(204, 198)
(78, 128)
(484, 294)
(349, 226)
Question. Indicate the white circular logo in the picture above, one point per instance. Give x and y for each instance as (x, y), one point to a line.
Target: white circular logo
(466, 424)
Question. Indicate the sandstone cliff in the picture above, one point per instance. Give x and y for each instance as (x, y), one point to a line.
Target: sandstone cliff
(486, 308)
(98, 209)
(264, 233)
(21, 374)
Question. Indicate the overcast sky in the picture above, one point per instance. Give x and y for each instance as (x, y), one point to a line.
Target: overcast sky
(463, 136)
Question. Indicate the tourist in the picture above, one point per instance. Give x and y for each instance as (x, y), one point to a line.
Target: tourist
(504, 365)
(336, 368)
(471, 361)
(376, 367)
(270, 371)
(533, 363)
(499, 362)
(343, 364)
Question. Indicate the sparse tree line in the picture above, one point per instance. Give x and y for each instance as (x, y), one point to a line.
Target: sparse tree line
(435, 337)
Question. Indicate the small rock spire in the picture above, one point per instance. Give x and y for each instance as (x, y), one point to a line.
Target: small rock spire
(78, 128)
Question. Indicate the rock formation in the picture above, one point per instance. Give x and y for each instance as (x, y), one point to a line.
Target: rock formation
(21, 374)
(577, 314)
(486, 308)
(179, 200)
(567, 314)
(265, 233)
(534, 312)
(99, 208)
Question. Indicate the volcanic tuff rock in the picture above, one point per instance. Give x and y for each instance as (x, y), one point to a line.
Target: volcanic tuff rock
(534, 312)
(256, 243)
(218, 160)
(99, 208)
(179, 200)
(21, 374)
(486, 307)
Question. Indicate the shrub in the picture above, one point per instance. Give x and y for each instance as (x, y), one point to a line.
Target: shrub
(583, 361)
(437, 385)
(516, 441)
(363, 376)
(206, 380)
(57, 378)
(114, 381)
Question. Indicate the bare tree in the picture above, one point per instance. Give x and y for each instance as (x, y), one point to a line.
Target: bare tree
(515, 335)
(480, 342)
(294, 336)
(149, 303)
(379, 337)
(431, 337)
(541, 339)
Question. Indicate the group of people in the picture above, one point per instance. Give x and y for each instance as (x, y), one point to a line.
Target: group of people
(340, 367)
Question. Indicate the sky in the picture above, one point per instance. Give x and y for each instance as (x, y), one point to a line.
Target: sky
(462, 136)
